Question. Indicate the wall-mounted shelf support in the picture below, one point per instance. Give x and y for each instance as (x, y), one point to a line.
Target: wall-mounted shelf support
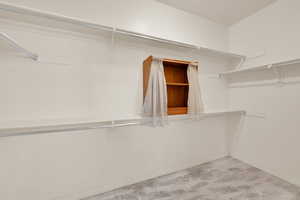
(240, 64)
(278, 74)
(18, 47)
(113, 37)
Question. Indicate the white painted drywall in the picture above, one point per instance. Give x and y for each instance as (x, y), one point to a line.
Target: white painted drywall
(75, 165)
(270, 143)
(226, 12)
(144, 16)
(80, 78)
(273, 31)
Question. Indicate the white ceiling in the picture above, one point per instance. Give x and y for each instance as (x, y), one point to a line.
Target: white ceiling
(225, 12)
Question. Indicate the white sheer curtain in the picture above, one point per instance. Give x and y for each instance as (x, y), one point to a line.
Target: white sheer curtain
(156, 99)
(195, 104)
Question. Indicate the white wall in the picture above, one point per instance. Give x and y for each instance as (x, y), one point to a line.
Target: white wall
(86, 78)
(82, 77)
(269, 143)
(74, 165)
(273, 30)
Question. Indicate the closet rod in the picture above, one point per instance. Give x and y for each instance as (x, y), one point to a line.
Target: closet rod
(99, 125)
(62, 128)
(13, 43)
(290, 62)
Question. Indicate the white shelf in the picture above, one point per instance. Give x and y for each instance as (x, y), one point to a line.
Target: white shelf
(99, 125)
(162, 40)
(153, 38)
(48, 19)
(63, 22)
(223, 53)
(262, 67)
(18, 47)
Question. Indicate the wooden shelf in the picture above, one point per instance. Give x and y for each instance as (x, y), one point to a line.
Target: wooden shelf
(177, 110)
(177, 84)
(180, 62)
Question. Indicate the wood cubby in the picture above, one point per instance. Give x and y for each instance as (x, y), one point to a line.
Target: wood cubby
(177, 83)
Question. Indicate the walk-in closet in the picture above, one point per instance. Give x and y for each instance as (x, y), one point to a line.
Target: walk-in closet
(149, 100)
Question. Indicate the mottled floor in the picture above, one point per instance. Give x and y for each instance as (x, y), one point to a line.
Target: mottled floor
(223, 179)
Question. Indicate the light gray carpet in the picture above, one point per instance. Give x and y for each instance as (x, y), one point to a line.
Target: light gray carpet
(223, 179)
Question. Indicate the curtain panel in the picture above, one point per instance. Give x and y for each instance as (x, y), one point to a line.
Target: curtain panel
(156, 99)
(195, 103)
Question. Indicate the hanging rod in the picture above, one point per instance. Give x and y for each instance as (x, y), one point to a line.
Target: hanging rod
(8, 132)
(262, 84)
(61, 18)
(19, 48)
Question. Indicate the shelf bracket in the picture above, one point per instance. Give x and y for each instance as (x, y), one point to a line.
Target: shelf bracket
(19, 48)
(278, 74)
(113, 37)
(242, 61)
(113, 124)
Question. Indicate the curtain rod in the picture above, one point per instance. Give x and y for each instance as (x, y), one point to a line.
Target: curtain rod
(194, 63)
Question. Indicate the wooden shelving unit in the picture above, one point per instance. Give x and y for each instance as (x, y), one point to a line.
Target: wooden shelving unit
(177, 83)
(178, 87)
